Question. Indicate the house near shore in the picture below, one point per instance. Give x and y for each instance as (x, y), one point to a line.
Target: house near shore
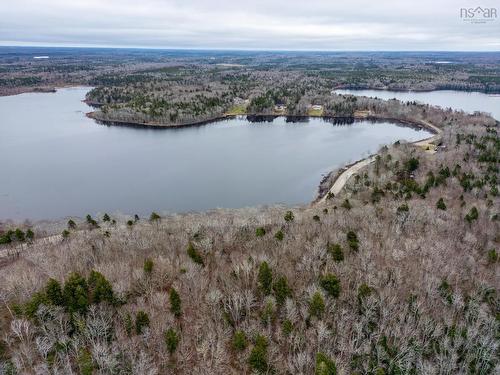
(280, 107)
(317, 107)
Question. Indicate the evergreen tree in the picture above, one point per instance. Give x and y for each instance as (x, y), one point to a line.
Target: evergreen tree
(175, 303)
(258, 356)
(281, 290)
(148, 266)
(240, 340)
(346, 204)
(85, 363)
(316, 305)
(331, 284)
(195, 255)
(141, 322)
(32, 305)
(260, 232)
(154, 217)
(19, 234)
(440, 205)
(171, 340)
(75, 293)
(279, 235)
(472, 215)
(335, 250)
(30, 235)
(71, 224)
(265, 278)
(324, 365)
(100, 289)
(352, 240)
(54, 293)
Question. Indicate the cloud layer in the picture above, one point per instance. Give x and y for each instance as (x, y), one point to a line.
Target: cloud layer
(250, 24)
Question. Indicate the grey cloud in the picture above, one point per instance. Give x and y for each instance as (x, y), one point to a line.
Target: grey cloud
(278, 24)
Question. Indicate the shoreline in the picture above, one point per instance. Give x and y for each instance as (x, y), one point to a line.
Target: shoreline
(31, 90)
(44, 89)
(346, 172)
(387, 89)
(254, 117)
(260, 117)
(151, 125)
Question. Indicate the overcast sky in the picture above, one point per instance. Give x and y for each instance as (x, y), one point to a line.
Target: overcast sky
(249, 24)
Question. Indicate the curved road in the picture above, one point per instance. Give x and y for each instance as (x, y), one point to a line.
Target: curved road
(342, 179)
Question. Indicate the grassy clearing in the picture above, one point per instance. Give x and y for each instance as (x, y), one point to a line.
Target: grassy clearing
(236, 110)
(315, 112)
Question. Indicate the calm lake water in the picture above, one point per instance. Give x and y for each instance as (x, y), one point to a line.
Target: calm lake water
(58, 163)
(461, 100)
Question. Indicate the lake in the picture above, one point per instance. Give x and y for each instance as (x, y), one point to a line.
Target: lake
(459, 100)
(57, 163)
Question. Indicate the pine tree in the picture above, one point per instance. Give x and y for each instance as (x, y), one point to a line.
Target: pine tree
(316, 305)
(195, 255)
(265, 278)
(53, 291)
(141, 322)
(171, 340)
(75, 293)
(258, 356)
(100, 289)
(335, 250)
(175, 303)
(281, 290)
(331, 284)
(440, 205)
(324, 365)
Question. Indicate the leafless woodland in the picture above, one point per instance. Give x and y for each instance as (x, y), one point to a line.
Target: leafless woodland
(418, 289)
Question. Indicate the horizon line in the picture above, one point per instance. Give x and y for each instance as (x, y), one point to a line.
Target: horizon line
(2, 45)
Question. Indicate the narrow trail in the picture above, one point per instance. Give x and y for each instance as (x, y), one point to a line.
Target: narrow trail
(9, 254)
(343, 177)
